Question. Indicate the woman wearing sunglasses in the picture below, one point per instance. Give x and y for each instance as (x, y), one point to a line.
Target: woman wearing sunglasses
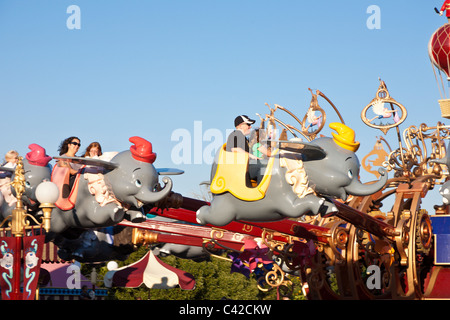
(68, 148)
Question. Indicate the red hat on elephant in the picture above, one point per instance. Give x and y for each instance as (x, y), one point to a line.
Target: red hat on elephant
(142, 150)
(37, 155)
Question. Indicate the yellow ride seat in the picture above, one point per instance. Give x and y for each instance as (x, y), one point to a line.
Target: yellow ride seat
(230, 176)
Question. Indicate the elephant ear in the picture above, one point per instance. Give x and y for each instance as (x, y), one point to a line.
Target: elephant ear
(169, 171)
(309, 150)
(7, 169)
(89, 162)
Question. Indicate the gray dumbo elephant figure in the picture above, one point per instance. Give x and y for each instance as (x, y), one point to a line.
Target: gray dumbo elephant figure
(298, 180)
(97, 245)
(37, 169)
(182, 251)
(104, 190)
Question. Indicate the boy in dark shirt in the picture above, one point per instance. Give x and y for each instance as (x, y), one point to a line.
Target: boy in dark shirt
(237, 141)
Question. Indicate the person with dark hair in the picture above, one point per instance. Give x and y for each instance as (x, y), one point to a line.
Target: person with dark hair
(68, 148)
(237, 140)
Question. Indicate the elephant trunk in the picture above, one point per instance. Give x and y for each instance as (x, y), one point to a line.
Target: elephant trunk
(155, 196)
(357, 188)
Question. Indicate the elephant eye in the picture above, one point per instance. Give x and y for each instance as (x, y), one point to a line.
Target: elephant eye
(350, 174)
(138, 183)
(27, 184)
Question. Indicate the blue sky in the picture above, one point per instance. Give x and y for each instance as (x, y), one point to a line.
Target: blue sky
(148, 68)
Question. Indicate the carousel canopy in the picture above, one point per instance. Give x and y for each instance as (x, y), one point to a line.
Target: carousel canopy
(152, 272)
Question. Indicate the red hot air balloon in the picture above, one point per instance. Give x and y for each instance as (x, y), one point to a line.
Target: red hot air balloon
(439, 49)
(439, 53)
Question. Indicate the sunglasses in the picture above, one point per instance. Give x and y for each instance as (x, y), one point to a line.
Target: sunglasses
(75, 143)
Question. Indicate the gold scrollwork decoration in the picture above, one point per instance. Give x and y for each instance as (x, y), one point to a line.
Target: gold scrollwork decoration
(273, 245)
(247, 228)
(216, 233)
(339, 232)
(275, 278)
(314, 119)
(421, 144)
(308, 127)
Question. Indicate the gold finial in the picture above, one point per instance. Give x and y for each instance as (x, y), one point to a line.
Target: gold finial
(18, 220)
(19, 179)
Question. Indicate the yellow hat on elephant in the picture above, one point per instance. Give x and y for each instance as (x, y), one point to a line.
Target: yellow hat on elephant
(345, 136)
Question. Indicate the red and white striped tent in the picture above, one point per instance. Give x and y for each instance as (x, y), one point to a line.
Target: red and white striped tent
(152, 272)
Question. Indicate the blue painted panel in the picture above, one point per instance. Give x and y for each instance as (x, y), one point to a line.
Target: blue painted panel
(440, 224)
(442, 249)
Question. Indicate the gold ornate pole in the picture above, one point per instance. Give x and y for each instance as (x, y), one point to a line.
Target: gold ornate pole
(17, 226)
(19, 223)
(18, 219)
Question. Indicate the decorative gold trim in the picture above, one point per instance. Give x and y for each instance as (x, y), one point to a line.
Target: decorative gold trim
(383, 97)
(143, 237)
